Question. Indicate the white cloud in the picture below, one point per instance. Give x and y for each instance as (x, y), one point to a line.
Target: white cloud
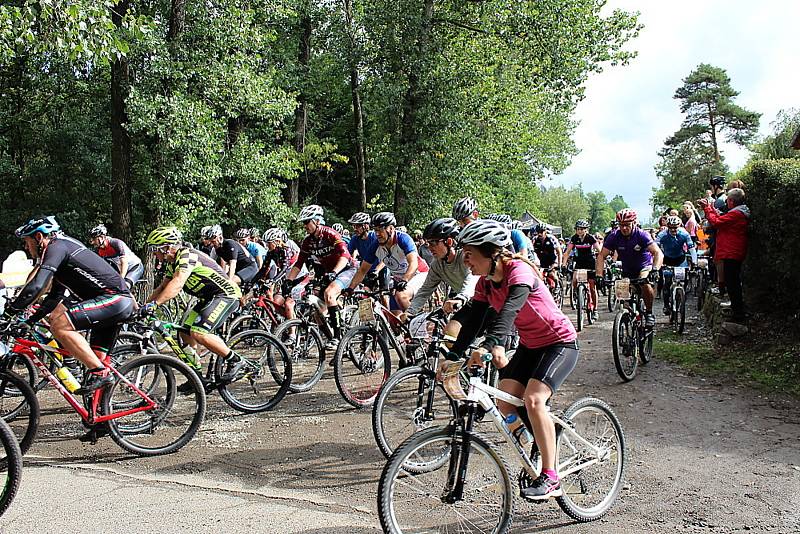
(629, 111)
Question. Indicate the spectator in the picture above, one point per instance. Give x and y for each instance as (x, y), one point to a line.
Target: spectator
(690, 219)
(717, 184)
(731, 244)
(735, 184)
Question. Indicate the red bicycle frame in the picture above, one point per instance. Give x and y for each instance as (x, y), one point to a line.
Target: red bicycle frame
(24, 347)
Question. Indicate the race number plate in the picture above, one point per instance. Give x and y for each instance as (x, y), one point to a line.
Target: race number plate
(582, 275)
(451, 381)
(680, 274)
(366, 312)
(622, 288)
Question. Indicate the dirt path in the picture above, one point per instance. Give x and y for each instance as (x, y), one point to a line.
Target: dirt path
(703, 456)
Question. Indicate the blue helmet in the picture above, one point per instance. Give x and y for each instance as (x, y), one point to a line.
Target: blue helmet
(45, 224)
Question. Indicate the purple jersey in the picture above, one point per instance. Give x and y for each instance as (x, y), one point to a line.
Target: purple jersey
(631, 251)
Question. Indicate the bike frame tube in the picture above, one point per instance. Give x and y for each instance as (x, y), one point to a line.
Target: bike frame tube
(25, 348)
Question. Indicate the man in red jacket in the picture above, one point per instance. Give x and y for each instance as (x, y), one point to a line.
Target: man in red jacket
(731, 244)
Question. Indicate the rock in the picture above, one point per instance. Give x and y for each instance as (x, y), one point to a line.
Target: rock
(724, 339)
(734, 329)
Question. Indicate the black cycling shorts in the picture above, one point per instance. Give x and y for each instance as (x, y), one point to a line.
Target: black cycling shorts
(674, 262)
(101, 316)
(551, 364)
(208, 315)
(134, 274)
(248, 274)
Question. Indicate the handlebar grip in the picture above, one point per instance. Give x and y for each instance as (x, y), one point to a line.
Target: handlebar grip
(486, 357)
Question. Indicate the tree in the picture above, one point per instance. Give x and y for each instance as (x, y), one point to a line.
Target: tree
(600, 212)
(776, 145)
(562, 207)
(617, 203)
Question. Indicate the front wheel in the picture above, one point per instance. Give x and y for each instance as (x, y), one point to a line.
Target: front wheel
(623, 344)
(174, 418)
(265, 378)
(362, 365)
(19, 407)
(306, 350)
(10, 466)
(680, 310)
(590, 480)
(581, 304)
(425, 502)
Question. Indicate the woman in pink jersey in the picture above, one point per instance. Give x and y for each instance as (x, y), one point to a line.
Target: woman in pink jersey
(508, 295)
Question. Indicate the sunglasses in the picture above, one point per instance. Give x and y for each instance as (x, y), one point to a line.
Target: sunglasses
(433, 242)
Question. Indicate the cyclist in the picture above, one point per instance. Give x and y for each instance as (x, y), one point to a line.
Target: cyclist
(327, 252)
(362, 242)
(465, 211)
(519, 241)
(284, 258)
(548, 349)
(195, 273)
(448, 268)
(640, 257)
(204, 246)
(549, 252)
(674, 242)
(586, 248)
(99, 297)
(339, 228)
(232, 257)
(398, 253)
(117, 253)
(256, 251)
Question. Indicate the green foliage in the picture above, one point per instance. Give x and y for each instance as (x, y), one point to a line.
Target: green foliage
(562, 207)
(776, 145)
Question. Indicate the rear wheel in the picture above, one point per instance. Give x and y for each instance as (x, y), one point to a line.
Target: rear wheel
(362, 365)
(10, 466)
(306, 350)
(624, 345)
(19, 407)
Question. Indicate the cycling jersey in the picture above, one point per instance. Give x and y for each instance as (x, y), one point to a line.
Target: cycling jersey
(324, 248)
(456, 275)
(115, 250)
(584, 251)
(231, 250)
(677, 245)
(394, 257)
(631, 251)
(256, 250)
(546, 250)
(518, 240)
(207, 279)
(363, 246)
(283, 257)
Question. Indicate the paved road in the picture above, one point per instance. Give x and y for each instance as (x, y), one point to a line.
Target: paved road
(704, 456)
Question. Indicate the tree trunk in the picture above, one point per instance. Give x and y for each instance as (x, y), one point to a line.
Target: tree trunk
(121, 207)
(292, 193)
(358, 115)
(177, 21)
(411, 104)
(713, 125)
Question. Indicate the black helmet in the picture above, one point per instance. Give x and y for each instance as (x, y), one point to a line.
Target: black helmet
(718, 181)
(46, 224)
(98, 230)
(464, 207)
(384, 219)
(582, 223)
(441, 229)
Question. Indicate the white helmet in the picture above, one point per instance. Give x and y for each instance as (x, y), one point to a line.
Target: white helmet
(485, 231)
(337, 227)
(674, 220)
(360, 218)
(464, 207)
(312, 212)
(210, 232)
(501, 218)
(273, 234)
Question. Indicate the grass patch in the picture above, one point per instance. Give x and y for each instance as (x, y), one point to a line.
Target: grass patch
(763, 362)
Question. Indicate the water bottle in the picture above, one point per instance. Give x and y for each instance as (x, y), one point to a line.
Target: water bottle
(67, 379)
(191, 357)
(517, 428)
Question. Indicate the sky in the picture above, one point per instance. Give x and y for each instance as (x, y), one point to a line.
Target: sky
(629, 111)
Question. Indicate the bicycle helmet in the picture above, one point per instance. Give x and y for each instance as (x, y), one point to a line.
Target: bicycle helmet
(359, 218)
(540, 228)
(500, 217)
(485, 231)
(97, 231)
(384, 219)
(337, 227)
(626, 215)
(45, 224)
(582, 223)
(311, 213)
(211, 232)
(673, 221)
(164, 235)
(718, 181)
(464, 208)
(242, 233)
(254, 233)
(273, 234)
(441, 229)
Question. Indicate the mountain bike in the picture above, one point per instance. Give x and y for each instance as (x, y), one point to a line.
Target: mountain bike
(703, 281)
(674, 296)
(10, 466)
(611, 274)
(582, 298)
(552, 277)
(453, 479)
(259, 387)
(142, 410)
(631, 340)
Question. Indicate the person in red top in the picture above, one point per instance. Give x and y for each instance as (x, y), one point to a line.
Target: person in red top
(330, 259)
(731, 244)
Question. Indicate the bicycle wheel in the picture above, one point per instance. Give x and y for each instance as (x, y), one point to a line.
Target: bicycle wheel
(645, 345)
(266, 378)
(624, 345)
(590, 482)
(589, 311)
(362, 365)
(407, 403)
(247, 322)
(20, 410)
(10, 466)
(306, 350)
(680, 309)
(581, 303)
(175, 418)
(571, 291)
(558, 293)
(414, 502)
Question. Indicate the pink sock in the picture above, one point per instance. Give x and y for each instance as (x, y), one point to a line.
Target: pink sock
(551, 474)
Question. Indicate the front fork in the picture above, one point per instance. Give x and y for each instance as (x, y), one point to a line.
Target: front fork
(459, 459)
